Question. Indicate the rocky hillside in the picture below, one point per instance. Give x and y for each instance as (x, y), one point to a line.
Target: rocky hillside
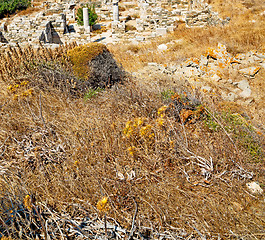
(163, 139)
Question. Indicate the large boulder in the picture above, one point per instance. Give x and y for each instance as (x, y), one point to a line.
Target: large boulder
(94, 64)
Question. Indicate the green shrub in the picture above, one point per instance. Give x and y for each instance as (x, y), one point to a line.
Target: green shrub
(241, 131)
(10, 6)
(167, 94)
(92, 15)
(92, 93)
(245, 134)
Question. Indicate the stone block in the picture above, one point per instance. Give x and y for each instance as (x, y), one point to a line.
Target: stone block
(161, 31)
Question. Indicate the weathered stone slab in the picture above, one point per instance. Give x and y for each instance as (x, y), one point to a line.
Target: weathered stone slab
(161, 31)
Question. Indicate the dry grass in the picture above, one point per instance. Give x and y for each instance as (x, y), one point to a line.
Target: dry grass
(29, 10)
(63, 150)
(240, 35)
(186, 165)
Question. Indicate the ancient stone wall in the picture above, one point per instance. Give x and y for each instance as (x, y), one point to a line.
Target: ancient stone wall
(156, 17)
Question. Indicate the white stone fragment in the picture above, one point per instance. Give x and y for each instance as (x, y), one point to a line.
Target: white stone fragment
(254, 187)
(162, 47)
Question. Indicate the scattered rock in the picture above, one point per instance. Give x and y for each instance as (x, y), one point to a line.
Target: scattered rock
(2, 38)
(162, 47)
(229, 97)
(161, 31)
(215, 77)
(260, 55)
(189, 72)
(204, 61)
(218, 53)
(240, 56)
(263, 65)
(246, 93)
(250, 71)
(243, 85)
(191, 62)
(152, 64)
(254, 187)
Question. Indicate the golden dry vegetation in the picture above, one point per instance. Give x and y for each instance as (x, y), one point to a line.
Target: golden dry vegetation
(180, 157)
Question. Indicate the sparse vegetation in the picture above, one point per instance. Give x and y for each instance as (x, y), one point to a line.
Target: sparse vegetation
(151, 157)
(92, 93)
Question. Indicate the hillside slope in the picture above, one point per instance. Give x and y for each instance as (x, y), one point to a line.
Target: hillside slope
(155, 156)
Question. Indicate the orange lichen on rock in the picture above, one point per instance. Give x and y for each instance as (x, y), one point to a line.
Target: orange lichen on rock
(250, 71)
(218, 53)
(191, 62)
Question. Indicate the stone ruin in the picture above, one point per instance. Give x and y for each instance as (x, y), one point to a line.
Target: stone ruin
(158, 17)
(56, 23)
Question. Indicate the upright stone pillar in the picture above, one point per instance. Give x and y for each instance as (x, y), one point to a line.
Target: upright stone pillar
(86, 19)
(64, 25)
(115, 11)
(143, 11)
(73, 13)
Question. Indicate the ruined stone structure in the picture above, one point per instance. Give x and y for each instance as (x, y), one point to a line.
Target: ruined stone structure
(156, 17)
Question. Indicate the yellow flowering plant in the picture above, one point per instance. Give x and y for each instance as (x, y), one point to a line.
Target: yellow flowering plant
(103, 205)
(27, 202)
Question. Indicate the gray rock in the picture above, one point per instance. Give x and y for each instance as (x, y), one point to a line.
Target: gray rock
(215, 78)
(162, 47)
(229, 97)
(260, 55)
(152, 64)
(2, 38)
(243, 85)
(204, 61)
(254, 188)
(263, 65)
(189, 72)
(250, 71)
(246, 93)
(161, 31)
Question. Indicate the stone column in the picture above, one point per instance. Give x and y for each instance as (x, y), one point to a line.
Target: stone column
(86, 19)
(115, 11)
(64, 25)
(143, 11)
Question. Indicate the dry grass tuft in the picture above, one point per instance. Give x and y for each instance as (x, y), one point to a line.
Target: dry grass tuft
(29, 10)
